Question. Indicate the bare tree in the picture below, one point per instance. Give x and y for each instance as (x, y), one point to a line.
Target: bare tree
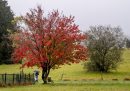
(104, 44)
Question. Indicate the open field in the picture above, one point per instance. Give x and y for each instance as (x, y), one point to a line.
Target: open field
(75, 78)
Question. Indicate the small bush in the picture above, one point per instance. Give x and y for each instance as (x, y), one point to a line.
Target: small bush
(66, 80)
(2, 85)
(115, 79)
(50, 80)
(126, 79)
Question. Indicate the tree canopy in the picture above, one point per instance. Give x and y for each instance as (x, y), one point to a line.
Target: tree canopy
(48, 41)
(104, 44)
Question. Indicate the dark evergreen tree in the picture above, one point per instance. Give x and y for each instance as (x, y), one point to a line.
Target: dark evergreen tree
(6, 17)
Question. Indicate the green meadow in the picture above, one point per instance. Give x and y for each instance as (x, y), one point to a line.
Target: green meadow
(75, 78)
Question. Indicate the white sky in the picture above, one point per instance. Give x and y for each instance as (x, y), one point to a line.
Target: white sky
(86, 12)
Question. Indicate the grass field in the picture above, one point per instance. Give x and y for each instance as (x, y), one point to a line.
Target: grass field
(75, 78)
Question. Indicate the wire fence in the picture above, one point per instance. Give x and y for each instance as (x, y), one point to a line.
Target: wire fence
(16, 79)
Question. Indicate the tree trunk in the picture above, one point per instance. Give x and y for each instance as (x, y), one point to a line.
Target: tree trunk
(45, 73)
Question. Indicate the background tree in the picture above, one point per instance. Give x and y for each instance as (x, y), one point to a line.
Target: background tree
(6, 16)
(104, 44)
(127, 43)
(48, 41)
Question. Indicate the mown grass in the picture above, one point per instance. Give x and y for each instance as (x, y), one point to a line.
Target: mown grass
(75, 78)
(71, 87)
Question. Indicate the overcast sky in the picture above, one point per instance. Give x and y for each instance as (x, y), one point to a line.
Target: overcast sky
(86, 12)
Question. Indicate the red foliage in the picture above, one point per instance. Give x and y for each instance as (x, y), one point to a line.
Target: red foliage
(54, 39)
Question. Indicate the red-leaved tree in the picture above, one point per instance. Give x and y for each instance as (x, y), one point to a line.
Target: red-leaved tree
(48, 41)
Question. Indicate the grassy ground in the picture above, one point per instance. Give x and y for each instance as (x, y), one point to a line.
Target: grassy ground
(71, 87)
(75, 78)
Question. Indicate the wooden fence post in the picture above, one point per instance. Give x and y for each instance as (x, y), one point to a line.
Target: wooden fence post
(32, 79)
(13, 78)
(5, 78)
(20, 78)
(62, 76)
(25, 78)
(29, 77)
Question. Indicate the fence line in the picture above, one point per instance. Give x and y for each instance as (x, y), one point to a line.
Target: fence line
(14, 79)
